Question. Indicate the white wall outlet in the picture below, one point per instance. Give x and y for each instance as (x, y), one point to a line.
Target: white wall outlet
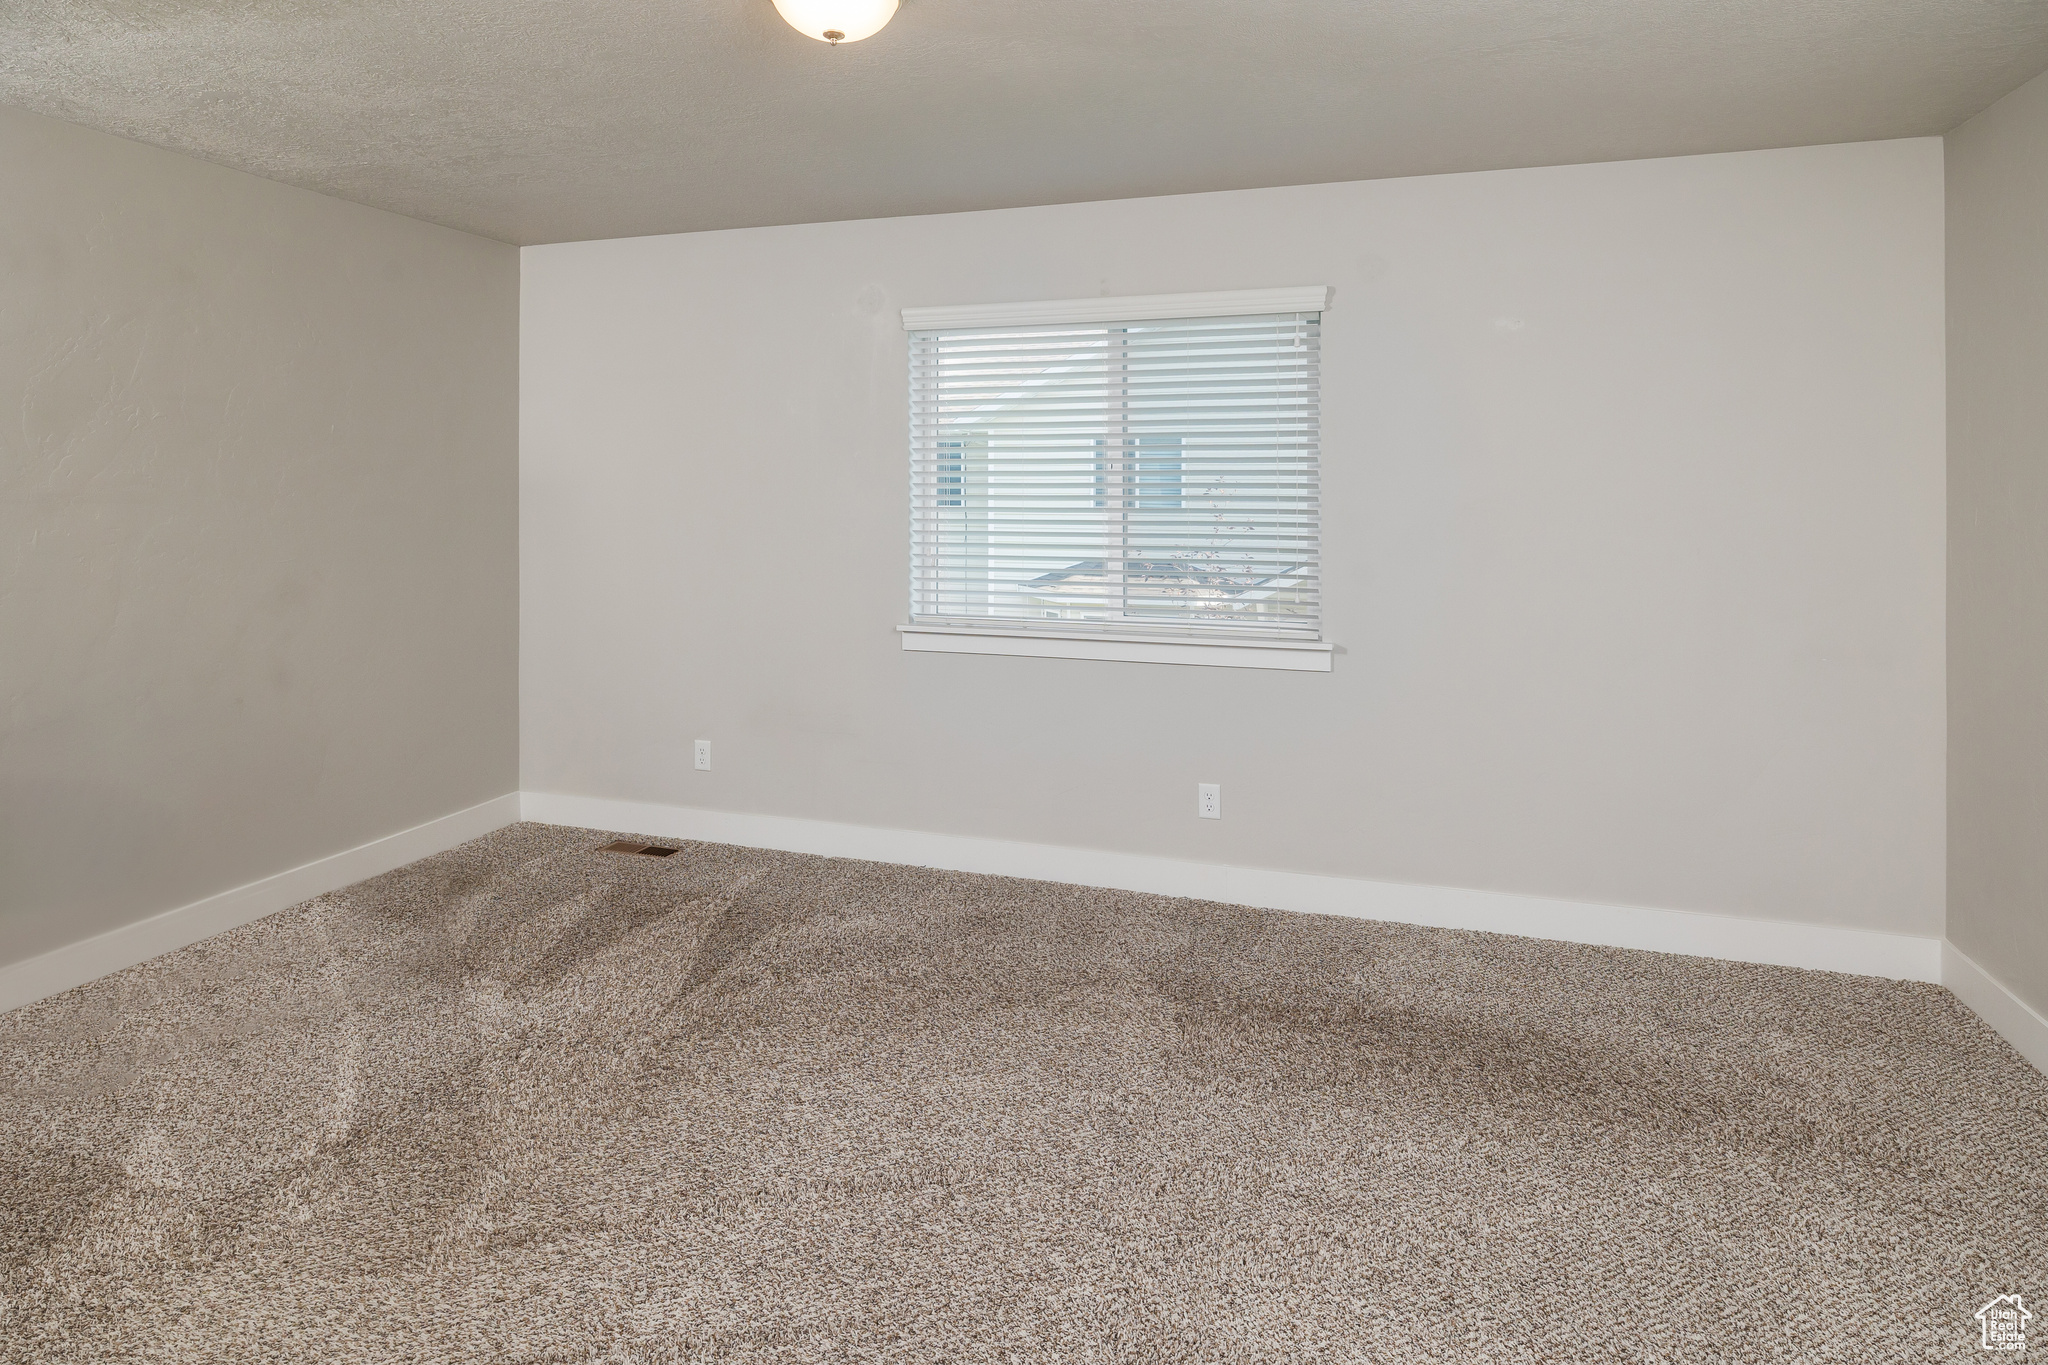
(703, 755)
(1209, 800)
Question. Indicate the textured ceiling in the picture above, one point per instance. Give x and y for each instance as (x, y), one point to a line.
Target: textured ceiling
(549, 120)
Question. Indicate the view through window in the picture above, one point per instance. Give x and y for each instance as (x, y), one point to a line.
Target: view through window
(1152, 478)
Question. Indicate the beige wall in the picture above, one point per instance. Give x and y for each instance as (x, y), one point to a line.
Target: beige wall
(1634, 537)
(258, 554)
(1998, 539)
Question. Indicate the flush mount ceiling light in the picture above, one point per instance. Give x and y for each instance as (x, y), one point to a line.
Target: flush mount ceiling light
(837, 21)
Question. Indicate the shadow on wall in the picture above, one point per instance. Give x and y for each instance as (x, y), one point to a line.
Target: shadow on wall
(89, 885)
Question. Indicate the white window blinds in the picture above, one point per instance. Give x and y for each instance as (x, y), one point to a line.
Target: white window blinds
(1144, 476)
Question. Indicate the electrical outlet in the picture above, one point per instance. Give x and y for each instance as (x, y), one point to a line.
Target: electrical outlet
(703, 755)
(1209, 800)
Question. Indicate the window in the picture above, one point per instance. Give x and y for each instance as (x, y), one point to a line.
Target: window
(1119, 478)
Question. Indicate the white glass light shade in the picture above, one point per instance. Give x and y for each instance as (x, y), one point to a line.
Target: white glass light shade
(837, 21)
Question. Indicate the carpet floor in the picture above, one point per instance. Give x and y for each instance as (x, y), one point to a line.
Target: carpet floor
(526, 1101)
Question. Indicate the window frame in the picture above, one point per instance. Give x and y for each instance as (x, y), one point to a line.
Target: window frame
(1299, 655)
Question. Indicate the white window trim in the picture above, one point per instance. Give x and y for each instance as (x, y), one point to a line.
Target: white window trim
(1305, 298)
(1303, 656)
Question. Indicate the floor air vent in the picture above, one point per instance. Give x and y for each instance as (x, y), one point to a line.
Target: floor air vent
(630, 846)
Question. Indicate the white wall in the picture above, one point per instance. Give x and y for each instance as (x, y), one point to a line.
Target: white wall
(1634, 537)
(1998, 529)
(258, 465)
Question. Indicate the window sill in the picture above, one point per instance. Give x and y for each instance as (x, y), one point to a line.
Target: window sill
(1305, 657)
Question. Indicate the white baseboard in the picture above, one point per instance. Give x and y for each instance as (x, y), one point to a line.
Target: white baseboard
(77, 963)
(1778, 942)
(2011, 1017)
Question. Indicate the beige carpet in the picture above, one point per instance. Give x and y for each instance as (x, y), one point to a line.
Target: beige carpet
(530, 1102)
